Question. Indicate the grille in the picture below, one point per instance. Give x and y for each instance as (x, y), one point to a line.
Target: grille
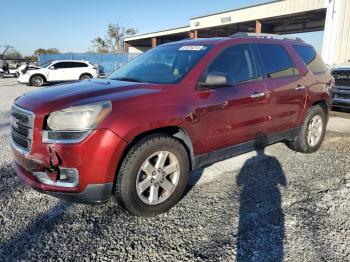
(341, 77)
(22, 122)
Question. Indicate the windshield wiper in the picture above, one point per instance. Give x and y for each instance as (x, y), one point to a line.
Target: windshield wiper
(129, 79)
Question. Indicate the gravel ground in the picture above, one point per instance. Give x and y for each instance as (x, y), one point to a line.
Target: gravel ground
(266, 206)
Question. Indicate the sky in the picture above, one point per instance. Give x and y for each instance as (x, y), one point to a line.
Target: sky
(70, 25)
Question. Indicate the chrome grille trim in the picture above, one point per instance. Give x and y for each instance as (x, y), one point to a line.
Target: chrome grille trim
(22, 124)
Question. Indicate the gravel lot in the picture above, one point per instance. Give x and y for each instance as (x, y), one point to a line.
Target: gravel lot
(267, 206)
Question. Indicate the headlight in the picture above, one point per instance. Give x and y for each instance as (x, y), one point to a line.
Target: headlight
(72, 124)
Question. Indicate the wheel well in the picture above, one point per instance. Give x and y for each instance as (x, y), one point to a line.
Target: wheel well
(179, 133)
(37, 75)
(323, 104)
(85, 74)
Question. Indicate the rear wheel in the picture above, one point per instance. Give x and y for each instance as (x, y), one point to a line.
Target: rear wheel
(153, 175)
(37, 80)
(1, 74)
(312, 132)
(85, 77)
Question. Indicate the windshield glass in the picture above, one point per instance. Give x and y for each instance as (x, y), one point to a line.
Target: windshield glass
(164, 65)
(46, 65)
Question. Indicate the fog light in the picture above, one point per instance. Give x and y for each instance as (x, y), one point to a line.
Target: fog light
(68, 177)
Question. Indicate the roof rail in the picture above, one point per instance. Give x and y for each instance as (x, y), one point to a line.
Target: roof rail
(263, 35)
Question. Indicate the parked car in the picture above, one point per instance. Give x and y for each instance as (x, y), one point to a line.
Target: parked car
(341, 92)
(59, 71)
(176, 108)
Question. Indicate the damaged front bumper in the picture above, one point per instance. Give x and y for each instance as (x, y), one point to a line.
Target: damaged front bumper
(82, 172)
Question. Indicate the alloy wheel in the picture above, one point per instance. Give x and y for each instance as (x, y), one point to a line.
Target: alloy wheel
(158, 177)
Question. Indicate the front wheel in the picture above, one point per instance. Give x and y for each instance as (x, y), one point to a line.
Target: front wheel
(153, 175)
(1, 75)
(37, 80)
(312, 132)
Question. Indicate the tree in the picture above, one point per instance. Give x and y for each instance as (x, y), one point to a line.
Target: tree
(46, 51)
(12, 54)
(113, 41)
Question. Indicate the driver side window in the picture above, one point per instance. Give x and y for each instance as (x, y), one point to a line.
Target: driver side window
(237, 63)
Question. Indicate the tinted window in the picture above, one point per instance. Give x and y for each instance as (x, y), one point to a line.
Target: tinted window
(60, 65)
(237, 62)
(78, 64)
(276, 61)
(312, 60)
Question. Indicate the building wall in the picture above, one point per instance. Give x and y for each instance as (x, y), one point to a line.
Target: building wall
(278, 8)
(336, 42)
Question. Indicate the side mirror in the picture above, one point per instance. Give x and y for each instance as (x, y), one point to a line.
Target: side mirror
(215, 79)
(52, 68)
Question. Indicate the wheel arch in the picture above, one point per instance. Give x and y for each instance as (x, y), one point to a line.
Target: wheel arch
(177, 132)
(85, 73)
(44, 77)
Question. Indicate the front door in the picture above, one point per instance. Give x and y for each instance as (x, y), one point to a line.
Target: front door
(236, 113)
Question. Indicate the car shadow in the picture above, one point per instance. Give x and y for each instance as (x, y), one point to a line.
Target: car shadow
(261, 230)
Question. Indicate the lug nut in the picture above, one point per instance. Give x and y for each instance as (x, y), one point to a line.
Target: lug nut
(154, 173)
(164, 174)
(152, 180)
(159, 170)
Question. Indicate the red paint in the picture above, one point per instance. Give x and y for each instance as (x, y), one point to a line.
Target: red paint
(213, 119)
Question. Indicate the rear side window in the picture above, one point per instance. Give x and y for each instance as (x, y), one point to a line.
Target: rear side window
(237, 62)
(61, 65)
(312, 60)
(276, 61)
(79, 64)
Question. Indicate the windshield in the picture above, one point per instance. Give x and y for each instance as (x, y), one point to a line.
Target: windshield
(46, 65)
(164, 65)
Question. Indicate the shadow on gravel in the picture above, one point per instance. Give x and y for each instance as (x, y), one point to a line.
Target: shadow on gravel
(261, 220)
(4, 125)
(17, 247)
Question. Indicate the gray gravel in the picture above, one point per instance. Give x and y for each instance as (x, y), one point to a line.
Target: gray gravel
(271, 206)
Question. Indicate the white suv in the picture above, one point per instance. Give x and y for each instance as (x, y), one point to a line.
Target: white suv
(59, 71)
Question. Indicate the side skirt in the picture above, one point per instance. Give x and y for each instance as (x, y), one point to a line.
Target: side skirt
(232, 151)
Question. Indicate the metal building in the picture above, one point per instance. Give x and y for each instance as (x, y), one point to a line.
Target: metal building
(278, 17)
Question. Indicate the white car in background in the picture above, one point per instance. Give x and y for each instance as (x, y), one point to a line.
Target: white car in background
(59, 71)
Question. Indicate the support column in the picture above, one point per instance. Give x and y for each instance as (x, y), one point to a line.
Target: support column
(258, 26)
(194, 34)
(126, 47)
(153, 42)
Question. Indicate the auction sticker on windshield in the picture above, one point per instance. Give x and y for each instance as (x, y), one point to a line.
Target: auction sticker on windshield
(192, 48)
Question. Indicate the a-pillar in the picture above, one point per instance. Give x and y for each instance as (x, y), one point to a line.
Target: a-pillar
(194, 34)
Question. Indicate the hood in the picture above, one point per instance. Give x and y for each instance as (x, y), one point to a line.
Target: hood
(84, 92)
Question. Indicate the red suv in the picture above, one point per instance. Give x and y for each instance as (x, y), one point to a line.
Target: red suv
(177, 107)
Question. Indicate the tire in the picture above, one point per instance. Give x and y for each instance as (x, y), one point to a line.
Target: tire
(16, 74)
(85, 77)
(37, 80)
(136, 189)
(1, 75)
(306, 141)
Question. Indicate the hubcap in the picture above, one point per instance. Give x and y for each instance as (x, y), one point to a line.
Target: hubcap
(37, 81)
(315, 130)
(158, 177)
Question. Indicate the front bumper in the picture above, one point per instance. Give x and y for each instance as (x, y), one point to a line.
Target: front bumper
(23, 79)
(341, 96)
(95, 158)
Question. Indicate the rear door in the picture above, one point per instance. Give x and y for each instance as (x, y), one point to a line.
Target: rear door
(234, 114)
(286, 93)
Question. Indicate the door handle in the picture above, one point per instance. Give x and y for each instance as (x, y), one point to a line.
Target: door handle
(257, 95)
(300, 87)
